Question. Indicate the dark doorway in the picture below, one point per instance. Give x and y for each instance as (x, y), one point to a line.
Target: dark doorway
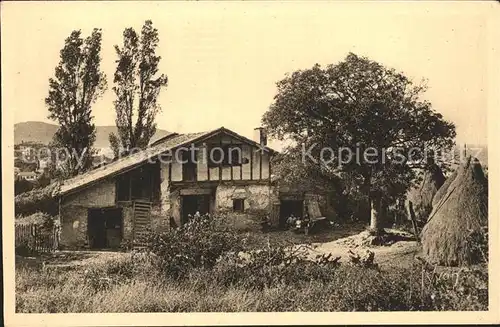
(194, 203)
(105, 226)
(290, 207)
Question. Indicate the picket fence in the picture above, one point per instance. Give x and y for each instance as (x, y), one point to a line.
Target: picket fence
(37, 239)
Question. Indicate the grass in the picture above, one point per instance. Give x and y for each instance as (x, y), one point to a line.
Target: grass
(197, 268)
(128, 284)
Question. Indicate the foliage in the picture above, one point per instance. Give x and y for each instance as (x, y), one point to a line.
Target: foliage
(77, 84)
(25, 165)
(37, 218)
(478, 240)
(43, 180)
(45, 225)
(271, 267)
(355, 105)
(22, 186)
(198, 243)
(133, 284)
(36, 200)
(136, 89)
(274, 278)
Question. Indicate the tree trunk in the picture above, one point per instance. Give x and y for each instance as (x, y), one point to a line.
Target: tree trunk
(376, 215)
(366, 189)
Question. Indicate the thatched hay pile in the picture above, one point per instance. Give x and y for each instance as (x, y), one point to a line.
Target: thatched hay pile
(442, 190)
(461, 212)
(422, 195)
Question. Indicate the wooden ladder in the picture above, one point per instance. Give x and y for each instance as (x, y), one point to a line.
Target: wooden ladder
(142, 222)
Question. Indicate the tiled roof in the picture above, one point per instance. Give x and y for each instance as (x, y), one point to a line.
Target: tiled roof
(127, 162)
(168, 143)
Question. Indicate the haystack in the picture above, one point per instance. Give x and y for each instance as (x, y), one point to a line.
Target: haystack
(442, 190)
(460, 213)
(422, 195)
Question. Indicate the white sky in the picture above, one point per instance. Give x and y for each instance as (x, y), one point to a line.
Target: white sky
(223, 59)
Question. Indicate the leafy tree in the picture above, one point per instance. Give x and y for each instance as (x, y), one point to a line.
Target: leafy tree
(43, 180)
(77, 84)
(22, 186)
(362, 120)
(25, 165)
(136, 89)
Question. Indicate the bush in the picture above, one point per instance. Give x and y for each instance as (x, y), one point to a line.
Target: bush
(202, 266)
(130, 285)
(46, 227)
(22, 186)
(198, 243)
(478, 241)
(37, 200)
(272, 267)
(37, 218)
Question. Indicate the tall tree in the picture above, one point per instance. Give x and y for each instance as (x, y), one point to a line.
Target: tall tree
(136, 89)
(360, 119)
(77, 84)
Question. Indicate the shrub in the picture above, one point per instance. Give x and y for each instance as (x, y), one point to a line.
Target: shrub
(37, 218)
(198, 243)
(478, 241)
(37, 200)
(22, 186)
(131, 284)
(46, 229)
(271, 267)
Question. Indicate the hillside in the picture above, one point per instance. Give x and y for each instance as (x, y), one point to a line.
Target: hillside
(35, 131)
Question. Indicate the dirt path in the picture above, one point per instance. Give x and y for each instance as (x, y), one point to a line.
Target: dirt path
(399, 254)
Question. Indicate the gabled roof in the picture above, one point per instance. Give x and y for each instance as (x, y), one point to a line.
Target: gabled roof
(168, 143)
(163, 139)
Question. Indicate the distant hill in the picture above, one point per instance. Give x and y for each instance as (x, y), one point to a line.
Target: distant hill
(36, 131)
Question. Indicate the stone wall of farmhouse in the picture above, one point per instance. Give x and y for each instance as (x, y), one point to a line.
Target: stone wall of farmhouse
(257, 201)
(257, 198)
(159, 220)
(128, 222)
(74, 212)
(164, 190)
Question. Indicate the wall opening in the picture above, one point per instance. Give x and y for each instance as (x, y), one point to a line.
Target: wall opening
(290, 207)
(238, 205)
(105, 228)
(142, 183)
(191, 204)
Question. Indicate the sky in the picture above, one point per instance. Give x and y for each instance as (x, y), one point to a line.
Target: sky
(224, 59)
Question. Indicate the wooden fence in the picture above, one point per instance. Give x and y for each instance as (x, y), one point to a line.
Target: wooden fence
(35, 238)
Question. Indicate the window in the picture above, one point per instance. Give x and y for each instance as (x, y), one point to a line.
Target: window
(225, 155)
(141, 183)
(238, 205)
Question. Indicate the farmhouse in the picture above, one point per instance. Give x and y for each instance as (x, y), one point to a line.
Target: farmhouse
(170, 181)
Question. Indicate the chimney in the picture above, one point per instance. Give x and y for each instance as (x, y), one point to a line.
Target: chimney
(260, 136)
